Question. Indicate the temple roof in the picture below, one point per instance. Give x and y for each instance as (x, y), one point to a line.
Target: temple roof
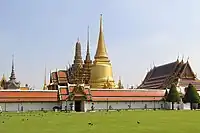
(162, 76)
(59, 77)
(28, 96)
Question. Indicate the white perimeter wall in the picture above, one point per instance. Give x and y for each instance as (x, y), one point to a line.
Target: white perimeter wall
(28, 106)
(123, 105)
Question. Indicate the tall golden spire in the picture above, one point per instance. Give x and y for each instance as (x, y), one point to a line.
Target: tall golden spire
(101, 70)
(101, 48)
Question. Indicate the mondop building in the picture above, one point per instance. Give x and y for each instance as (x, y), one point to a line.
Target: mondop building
(89, 85)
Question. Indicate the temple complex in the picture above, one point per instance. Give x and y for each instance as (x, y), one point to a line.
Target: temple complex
(87, 85)
(97, 74)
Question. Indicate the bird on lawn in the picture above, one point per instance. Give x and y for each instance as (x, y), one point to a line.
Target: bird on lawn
(90, 123)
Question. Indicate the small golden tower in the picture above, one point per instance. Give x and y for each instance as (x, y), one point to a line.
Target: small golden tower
(120, 85)
(101, 70)
(3, 82)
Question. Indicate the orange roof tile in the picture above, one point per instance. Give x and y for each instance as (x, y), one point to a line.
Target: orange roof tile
(86, 91)
(62, 74)
(64, 97)
(28, 94)
(125, 93)
(53, 99)
(126, 98)
(63, 91)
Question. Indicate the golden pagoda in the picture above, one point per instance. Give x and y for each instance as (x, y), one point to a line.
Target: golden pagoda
(101, 70)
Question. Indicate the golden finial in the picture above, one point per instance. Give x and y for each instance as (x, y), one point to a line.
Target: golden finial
(188, 58)
(101, 48)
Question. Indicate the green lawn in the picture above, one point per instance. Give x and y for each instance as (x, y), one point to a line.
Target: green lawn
(111, 122)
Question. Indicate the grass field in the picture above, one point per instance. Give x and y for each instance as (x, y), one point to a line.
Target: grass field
(103, 122)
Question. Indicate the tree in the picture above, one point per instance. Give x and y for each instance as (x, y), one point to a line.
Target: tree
(191, 96)
(173, 96)
(165, 96)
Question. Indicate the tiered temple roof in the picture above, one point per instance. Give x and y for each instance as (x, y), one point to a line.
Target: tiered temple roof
(77, 72)
(163, 76)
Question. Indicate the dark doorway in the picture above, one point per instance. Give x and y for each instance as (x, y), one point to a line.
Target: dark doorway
(77, 106)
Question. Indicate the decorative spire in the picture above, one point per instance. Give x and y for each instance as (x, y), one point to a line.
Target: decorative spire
(45, 80)
(182, 57)
(178, 58)
(188, 59)
(101, 48)
(77, 57)
(153, 64)
(87, 58)
(12, 76)
(3, 78)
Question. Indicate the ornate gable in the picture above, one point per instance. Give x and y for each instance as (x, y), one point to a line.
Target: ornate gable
(187, 72)
(77, 92)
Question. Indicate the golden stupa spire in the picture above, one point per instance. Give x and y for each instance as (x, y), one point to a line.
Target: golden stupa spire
(101, 48)
(101, 70)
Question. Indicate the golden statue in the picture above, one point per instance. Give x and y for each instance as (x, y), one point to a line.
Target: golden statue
(120, 85)
(101, 70)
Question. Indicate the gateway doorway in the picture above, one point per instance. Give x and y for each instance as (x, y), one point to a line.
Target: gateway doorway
(78, 106)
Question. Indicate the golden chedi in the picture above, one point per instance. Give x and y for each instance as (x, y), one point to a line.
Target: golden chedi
(101, 70)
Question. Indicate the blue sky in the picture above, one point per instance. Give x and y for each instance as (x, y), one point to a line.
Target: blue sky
(137, 33)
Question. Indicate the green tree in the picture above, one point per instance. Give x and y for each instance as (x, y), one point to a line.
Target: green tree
(191, 96)
(173, 96)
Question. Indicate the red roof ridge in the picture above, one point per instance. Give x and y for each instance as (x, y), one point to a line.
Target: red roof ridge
(130, 90)
(28, 90)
